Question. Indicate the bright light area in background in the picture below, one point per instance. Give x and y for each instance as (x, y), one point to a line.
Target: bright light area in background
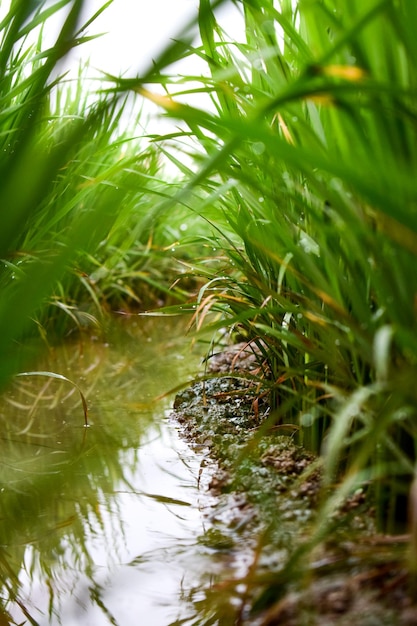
(135, 32)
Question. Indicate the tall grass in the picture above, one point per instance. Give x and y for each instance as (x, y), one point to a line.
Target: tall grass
(311, 155)
(78, 191)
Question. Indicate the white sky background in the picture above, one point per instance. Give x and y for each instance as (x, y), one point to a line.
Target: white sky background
(136, 31)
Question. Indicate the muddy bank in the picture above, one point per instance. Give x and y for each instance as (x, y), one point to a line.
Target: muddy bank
(263, 497)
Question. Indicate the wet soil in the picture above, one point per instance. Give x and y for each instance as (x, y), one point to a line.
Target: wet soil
(264, 498)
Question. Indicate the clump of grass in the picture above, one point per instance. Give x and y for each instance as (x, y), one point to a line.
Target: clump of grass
(44, 221)
(311, 150)
(79, 193)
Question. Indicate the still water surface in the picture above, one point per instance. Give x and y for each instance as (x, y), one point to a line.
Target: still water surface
(100, 525)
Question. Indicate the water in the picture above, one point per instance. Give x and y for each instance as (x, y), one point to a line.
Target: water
(100, 525)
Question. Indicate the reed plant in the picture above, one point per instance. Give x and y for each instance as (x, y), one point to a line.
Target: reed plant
(311, 155)
(78, 189)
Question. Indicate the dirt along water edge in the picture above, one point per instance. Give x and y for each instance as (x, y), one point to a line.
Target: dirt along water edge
(264, 493)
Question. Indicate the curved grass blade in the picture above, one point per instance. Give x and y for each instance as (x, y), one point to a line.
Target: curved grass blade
(67, 380)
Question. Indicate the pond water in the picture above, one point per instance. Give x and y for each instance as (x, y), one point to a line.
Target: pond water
(100, 525)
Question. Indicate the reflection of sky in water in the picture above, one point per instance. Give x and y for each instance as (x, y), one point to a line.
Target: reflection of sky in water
(142, 560)
(101, 524)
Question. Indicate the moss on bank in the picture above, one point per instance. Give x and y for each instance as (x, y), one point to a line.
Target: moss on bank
(264, 496)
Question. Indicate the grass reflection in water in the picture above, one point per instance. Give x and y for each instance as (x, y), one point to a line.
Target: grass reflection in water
(98, 523)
